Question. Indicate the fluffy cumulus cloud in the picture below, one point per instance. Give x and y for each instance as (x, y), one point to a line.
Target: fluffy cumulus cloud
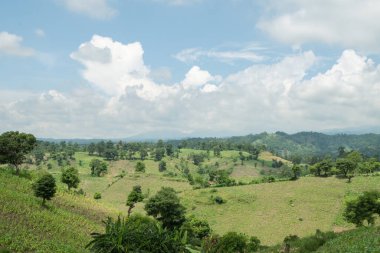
(98, 9)
(10, 44)
(350, 23)
(116, 68)
(124, 100)
(196, 78)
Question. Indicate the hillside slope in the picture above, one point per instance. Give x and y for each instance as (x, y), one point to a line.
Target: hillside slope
(64, 226)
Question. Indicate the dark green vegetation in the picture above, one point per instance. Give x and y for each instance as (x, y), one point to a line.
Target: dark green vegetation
(14, 146)
(70, 177)
(208, 195)
(45, 187)
(363, 209)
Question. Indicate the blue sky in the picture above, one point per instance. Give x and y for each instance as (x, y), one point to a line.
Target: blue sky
(119, 68)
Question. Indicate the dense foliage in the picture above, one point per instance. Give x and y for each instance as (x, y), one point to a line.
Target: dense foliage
(45, 187)
(14, 147)
(165, 206)
(137, 234)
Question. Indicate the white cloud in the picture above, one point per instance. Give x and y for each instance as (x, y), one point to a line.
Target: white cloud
(194, 54)
(39, 32)
(196, 78)
(349, 23)
(263, 97)
(98, 9)
(10, 44)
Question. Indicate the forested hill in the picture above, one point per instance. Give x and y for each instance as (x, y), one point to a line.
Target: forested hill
(307, 145)
(304, 144)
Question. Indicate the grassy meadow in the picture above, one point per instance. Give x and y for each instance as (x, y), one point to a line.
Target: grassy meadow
(269, 211)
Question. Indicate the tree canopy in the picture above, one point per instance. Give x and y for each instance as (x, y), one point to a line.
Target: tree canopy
(165, 206)
(14, 146)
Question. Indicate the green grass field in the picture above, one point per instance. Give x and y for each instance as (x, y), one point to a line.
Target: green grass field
(63, 226)
(269, 211)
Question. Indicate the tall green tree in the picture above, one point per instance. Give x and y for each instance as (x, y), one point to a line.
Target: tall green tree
(45, 187)
(14, 147)
(324, 167)
(165, 206)
(296, 170)
(70, 177)
(98, 167)
(364, 208)
(345, 166)
(134, 197)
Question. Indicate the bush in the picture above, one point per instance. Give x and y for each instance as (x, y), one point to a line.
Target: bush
(308, 244)
(196, 229)
(161, 166)
(97, 195)
(230, 242)
(219, 200)
(140, 167)
(364, 208)
(137, 234)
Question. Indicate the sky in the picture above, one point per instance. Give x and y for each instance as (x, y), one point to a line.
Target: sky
(172, 68)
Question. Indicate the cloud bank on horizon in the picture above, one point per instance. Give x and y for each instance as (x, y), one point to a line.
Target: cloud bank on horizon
(122, 96)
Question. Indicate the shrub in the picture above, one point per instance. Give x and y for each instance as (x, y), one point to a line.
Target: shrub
(162, 166)
(231, 242)
(364, 208)
(140, 167)
(97, 195)
(219, 200)
(196, 229)
(137, 234)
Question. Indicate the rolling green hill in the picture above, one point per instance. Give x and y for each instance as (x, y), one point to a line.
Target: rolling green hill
(63, 226)
(269, 211)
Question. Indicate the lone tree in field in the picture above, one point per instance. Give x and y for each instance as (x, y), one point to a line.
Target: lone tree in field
(346, 167)
(166, 207)
(140, 167)
(14, 146)
(364, 208)
(162, 166)
(70, 176)
(98, 167)
(45, 187)
(134, 197)
(296, 170)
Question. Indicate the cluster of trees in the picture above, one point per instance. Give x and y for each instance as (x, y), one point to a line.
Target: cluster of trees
(98, 167)
(347, 164)
(131, 150)
(169, 231)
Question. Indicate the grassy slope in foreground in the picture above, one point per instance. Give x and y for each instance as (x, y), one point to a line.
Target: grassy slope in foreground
(358, 240)
(64, 226)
